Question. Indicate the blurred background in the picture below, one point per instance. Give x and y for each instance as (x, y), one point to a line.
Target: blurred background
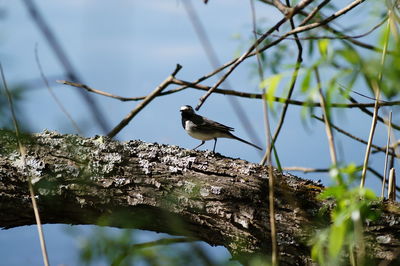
(128, 48)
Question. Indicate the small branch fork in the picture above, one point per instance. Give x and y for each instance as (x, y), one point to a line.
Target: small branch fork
(251, 49)
(143, 104)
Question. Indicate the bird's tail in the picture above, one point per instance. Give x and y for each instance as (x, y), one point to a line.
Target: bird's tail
(245, 141)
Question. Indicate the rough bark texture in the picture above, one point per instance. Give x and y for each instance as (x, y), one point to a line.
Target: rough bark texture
(219, 200)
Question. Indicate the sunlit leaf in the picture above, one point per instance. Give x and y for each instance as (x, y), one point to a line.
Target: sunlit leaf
(336, 239)
(323, 45)
(305, 84)
(271, 84)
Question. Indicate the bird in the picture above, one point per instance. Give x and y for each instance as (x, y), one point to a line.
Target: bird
(202, 128)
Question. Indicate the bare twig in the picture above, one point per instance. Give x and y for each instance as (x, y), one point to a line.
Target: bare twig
(328, 126)
(103, 93)
(280, 6)
(145, 102)
(365, 110)
(238, 61)
(314, 12)
(23, 159)
(339, 33)
(338, 37)
(186, 84)
(370, 138)
(267, 156)
(377, 92)
(312, 25)
(386, 157)
(326, 170)
(53, 95)
(51, 39)
(392, 185)
(295, 74)
(381, 149)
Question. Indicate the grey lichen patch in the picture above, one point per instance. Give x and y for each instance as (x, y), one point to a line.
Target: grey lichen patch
(82, 201)
(33, 167)
(244, 216)
(121, 181)
(216, 208)
(153, 182)
(188, 186)
(135, 199)
(216, 190)
(147, 154)
(385, 239)
(177, 164)
(147, 166)
(70, 170)
(246, 169)
(105, 163)
(285, 238)
(111, 159)
(204, 192)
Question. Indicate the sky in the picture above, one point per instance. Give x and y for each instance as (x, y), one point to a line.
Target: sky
(128, 48)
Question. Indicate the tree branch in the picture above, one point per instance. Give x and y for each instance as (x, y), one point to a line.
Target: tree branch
(168, 189)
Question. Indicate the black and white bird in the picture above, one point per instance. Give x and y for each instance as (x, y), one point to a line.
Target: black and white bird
(204, 129)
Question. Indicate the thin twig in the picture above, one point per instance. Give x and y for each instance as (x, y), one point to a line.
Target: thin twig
(326, 170)
(376, 87)
(280, 6)
(340, 37)
(328, 126)
(392, 185)
(381, 149)
(339, 33)
(23, 158)
(314, 12)
(187, 84)
(145, 102)
(366, 111)
(71, 73)
(103, 93)
(293, 80)
(312, 25)
(386, 157)
(53, 95)
(238, 61)
(371, 136)
(267, 156)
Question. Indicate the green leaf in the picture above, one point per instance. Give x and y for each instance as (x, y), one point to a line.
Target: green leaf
(271, 84)
(336, 239)
(350, 56)
(323, 45)
(305, 84)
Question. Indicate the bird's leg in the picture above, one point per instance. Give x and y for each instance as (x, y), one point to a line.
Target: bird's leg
(202, 142)
(215, 144)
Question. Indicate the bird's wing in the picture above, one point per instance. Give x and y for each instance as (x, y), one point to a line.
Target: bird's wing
(207, 124)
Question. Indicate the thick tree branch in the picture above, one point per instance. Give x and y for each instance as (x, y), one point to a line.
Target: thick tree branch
(166, 189)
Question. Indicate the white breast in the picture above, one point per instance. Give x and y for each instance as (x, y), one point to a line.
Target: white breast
(200, 135)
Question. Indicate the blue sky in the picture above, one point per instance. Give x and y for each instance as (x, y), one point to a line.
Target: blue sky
(127, 48)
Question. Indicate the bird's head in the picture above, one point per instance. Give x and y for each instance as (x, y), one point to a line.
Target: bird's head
(187, 109)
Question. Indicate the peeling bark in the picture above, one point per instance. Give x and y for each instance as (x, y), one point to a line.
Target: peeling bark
(219, 200)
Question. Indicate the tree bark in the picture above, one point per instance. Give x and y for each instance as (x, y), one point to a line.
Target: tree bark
(219, 200)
